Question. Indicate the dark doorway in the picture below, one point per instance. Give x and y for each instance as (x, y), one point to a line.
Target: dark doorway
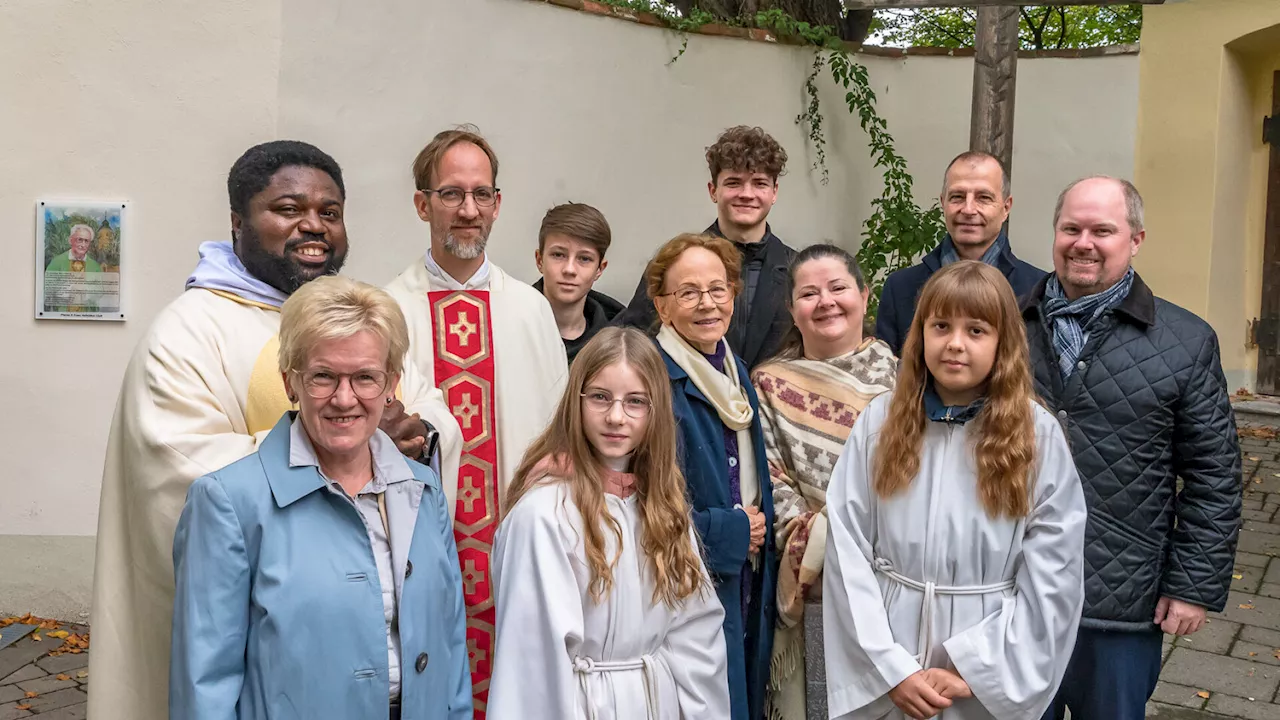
(1268, 328)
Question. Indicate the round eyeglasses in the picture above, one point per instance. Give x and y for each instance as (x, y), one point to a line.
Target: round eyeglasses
(635, 406)
(452, 197)
(689, 296)
(322, 384)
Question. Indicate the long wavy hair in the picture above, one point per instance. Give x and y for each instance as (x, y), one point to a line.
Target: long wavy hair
(1005, 451)
(660, 487)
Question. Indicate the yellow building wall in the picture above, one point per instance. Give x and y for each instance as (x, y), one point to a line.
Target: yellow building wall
(1205, 85)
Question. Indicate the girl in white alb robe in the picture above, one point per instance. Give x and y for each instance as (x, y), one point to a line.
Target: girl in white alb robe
(564, 650)
(926, 577)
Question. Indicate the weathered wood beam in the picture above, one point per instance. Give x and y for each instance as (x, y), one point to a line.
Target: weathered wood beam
(905, 4)
(995, 73)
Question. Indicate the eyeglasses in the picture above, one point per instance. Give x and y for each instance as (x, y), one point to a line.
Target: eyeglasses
(452, 197)
(322, 384)
(635, 406)
(689, 296)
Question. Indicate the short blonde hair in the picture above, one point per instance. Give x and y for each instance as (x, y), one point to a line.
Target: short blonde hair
(334, 307)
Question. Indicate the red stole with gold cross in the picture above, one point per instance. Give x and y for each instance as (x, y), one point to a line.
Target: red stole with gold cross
(464, 372)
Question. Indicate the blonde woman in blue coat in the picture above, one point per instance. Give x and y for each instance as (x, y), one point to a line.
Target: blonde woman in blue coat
(318, 577)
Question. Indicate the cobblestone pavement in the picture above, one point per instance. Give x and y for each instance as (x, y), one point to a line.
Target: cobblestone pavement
(1230, 669)
(35, 684)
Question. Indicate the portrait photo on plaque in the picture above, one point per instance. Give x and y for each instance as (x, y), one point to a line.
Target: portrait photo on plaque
(78, 251)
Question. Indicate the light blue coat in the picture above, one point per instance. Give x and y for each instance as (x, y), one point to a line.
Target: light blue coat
(278, 611)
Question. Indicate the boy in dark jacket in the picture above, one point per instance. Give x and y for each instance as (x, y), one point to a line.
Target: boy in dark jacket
(975, 204)
(571, 246)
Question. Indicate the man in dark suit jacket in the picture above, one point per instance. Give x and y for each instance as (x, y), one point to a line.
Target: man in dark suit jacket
(745, 164)
(975, 203)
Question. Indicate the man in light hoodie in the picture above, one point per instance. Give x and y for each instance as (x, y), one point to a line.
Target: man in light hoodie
(202, 390)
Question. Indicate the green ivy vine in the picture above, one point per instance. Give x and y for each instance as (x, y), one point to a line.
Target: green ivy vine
(898, 230)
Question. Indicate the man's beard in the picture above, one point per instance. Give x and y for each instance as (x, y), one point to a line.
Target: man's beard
(282, 272)
(466, 250)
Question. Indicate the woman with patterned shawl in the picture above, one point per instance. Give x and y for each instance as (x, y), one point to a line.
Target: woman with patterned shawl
(825, 374)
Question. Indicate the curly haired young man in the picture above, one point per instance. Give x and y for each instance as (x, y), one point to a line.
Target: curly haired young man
(745, 164)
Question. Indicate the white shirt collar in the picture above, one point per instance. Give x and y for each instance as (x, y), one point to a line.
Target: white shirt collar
(389, 465)
(478, 281)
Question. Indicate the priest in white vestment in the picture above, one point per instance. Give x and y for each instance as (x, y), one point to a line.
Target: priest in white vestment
(492, 346)
(202, 389)
(1006, 593)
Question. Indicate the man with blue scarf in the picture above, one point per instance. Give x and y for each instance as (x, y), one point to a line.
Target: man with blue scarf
(976, 201)
(202, 389)
(1138, 386)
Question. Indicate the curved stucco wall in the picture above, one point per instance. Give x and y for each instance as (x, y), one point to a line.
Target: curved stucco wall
(151, 101)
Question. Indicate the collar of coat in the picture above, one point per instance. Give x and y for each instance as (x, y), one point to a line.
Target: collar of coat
(675, 372)
(599, 308)
(938, 411)
(770, 244)
(1005, 262)
(290, 484)
(1138, 307)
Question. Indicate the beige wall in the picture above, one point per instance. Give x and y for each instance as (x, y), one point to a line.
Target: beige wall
(151, 101)
(1206, 72)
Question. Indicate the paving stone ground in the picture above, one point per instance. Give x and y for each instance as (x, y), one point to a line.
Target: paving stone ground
(1231, 668)
(35, 684)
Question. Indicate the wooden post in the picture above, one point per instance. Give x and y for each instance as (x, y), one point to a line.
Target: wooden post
(995, 72)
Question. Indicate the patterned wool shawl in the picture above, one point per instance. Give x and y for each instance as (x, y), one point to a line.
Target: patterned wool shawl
(807, 410)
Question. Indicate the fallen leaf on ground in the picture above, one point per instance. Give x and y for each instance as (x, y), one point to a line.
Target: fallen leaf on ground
(1259, 433)
(36, 637)
(1246, 606)
(62, 677)
(1252, 654)
(73, 644)
(82, 674)
(59, 634)
(1203, 694)
(1237, 576)
(1253, 459)
(22, 706)
(31, 695)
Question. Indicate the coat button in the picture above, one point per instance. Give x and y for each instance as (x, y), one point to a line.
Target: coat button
(1080, 365)
(733, 462)
(408, 568)
(1062, 414)
(421, 664)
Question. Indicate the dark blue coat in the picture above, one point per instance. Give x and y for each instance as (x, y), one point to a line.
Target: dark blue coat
(902, 289)
(726, 533)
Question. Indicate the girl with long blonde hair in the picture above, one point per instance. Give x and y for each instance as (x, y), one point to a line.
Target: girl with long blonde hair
(954, 570)
(604, 606)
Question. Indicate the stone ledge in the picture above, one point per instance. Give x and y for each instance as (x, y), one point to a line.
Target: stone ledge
(759, 35)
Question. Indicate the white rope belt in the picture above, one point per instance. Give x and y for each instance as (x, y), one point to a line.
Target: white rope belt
(924, 640)
(585, 667)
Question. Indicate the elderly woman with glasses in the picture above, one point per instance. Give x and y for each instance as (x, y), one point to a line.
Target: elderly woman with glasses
(692, 281)
(318, 577)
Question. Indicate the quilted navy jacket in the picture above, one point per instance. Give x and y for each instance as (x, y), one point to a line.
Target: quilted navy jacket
(1147, 405)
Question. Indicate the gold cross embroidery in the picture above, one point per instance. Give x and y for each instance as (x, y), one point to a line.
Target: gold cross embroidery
(471, 493)
(462, 329)
(465, 411)
(474, 653)
(471, 577)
